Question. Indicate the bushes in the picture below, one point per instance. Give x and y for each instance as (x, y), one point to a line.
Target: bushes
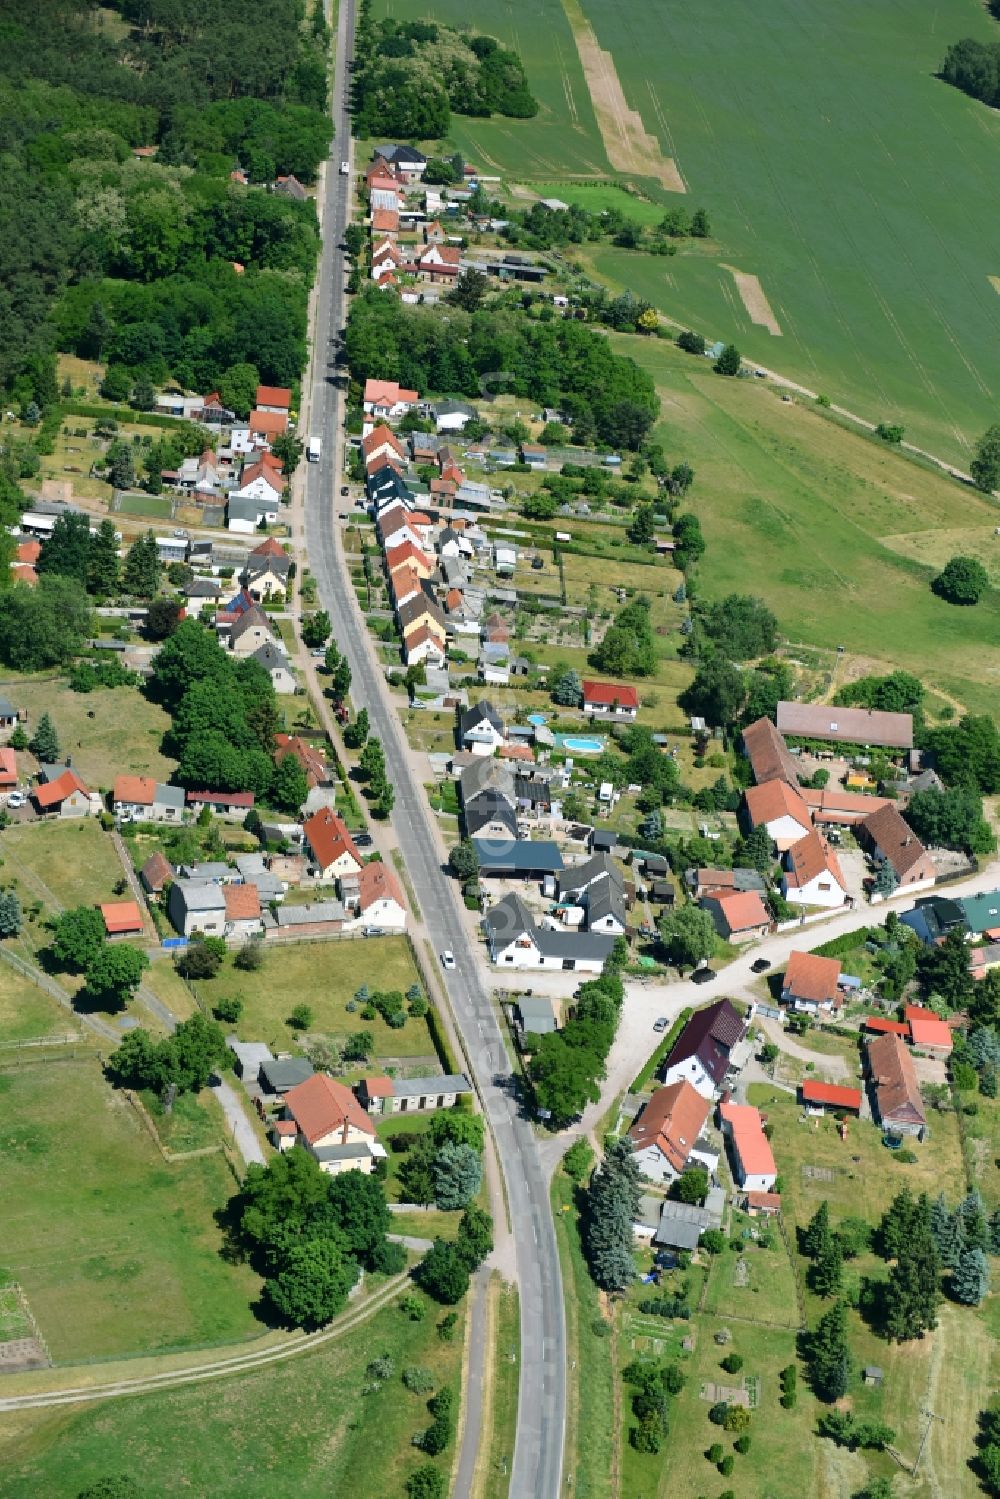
(789, 1382)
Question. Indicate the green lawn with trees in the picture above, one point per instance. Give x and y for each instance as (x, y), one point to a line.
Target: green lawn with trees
(211, 1436)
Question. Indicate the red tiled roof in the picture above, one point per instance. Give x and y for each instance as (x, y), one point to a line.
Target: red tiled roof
(752, 1145)
(606, 694)
(378, 882)
(516, 752)
(378, 1087)
(273, 395)
(382, 437)
(242, 902)
(928, 1029)
(268, 423)
(329, 838)
(773, 799)
(898, 1091)
(742, 910)
(157, 870)
(405, 552)
(388, 391)
(811, 977)
(8, 767)
(810, 857)
(320, 1106)
(886, 1027)
(894, 838)
(121, 916)
(285, 1127)
(28, 551)
(384, 219)
(261, 470)
(833, 804)
(228, 798)
(672, 1120)
(770, 759)
(312, 760)
(831, 1094)
(768, 1201)
(24, 573)
(846, 725)
(56, 791)
(137, 789)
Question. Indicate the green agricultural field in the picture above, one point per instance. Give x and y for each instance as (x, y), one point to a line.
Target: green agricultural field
(72, 862)
(563, 137)
(818, 520)
(107, 732)
(115, 1250)
(832, 163)
(324, 976)
(302, 1428)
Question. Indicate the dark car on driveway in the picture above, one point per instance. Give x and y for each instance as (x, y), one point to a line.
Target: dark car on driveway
(759, 965)
(703, 975)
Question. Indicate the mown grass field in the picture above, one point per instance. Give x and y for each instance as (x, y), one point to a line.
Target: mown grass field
(73, 860)
(115, 1250)
(28, 1013)
(817, 520)
(303, 1428)
(123, 735)
(325, 976)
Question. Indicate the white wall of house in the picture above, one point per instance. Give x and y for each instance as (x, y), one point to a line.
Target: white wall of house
(823, 890)
(654, 1166)
(691, 1071)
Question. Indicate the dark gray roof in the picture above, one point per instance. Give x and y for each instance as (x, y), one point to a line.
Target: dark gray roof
(323, 910)
(357, 1152)
(517, 856)
(489, 807)
(269, 563)
(710, 1035)
(282, 1073)
(571, 944)
(480, 712)
(169, 796)
(7, 709)
(578, 876)
(400, 154)
(536, 792)
(605, 898)
(509, 918)
(269, 656)
(602, 840)
(245, 507)
(537, 1014)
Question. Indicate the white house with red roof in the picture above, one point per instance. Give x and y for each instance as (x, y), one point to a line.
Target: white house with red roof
(380, 898)
(331, 1125)
(440, 263)
(612, 699)
(387, 400)
(331, 845)
(273, 398)
(813, 876)
(750, 1150)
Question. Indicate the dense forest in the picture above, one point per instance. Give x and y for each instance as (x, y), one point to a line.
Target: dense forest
(410, 75)
(557, 362)
(129, 258)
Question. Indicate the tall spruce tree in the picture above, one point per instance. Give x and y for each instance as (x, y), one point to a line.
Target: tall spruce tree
(143, 567)
(45, 741)
(912, 1294)
(612, 1203)
(970, 1280)
(829, 1354)
(816, 1234)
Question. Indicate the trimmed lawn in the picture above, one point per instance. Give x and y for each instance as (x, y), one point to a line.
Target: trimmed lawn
(220, 1440)
(325, 976)
(73, 859)
(194, 1122)
(170, 989)
(763, 1290)
(598, 197)
(389, 1128)
(124, 733)
(28, 1013)
(432, 1224)
(115, 1250)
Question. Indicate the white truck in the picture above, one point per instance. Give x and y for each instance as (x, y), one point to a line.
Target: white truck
(314, 449)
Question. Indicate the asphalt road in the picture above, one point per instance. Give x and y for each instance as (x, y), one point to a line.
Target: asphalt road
(537, 1462)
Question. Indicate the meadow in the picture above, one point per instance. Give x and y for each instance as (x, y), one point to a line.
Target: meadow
(825, 523)
(302, 1428)
(113, 1248)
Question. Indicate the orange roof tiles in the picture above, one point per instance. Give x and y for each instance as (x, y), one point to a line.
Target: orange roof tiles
(886, 1027)
(742, 910)
(811, 857)
(268, 423)
(8, 767)
(897, 1089)
(831, 1094)
(378, 1087)
(378, 882)
(56, 791)
(140, 790)
(378, 392)
(811, 977)
(928, 1029)
(121, 916)
(273, 395)
(320, 1106)
(242, 902)
(329, 838)
(769, 756)
(672, 1120)
(751, 1144)
(773, 799)
(607, 694)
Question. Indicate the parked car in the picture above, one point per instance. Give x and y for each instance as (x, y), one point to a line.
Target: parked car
(448, 958)
(759, 965)
(660, 1025)
(362, 840)
(374, 931)
(344, 491)
(703, 975)
(181, 535)
(318, 654)
(16, 799)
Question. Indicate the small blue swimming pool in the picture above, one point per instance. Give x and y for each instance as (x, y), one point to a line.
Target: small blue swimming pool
(537, 719)
(581, 744)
